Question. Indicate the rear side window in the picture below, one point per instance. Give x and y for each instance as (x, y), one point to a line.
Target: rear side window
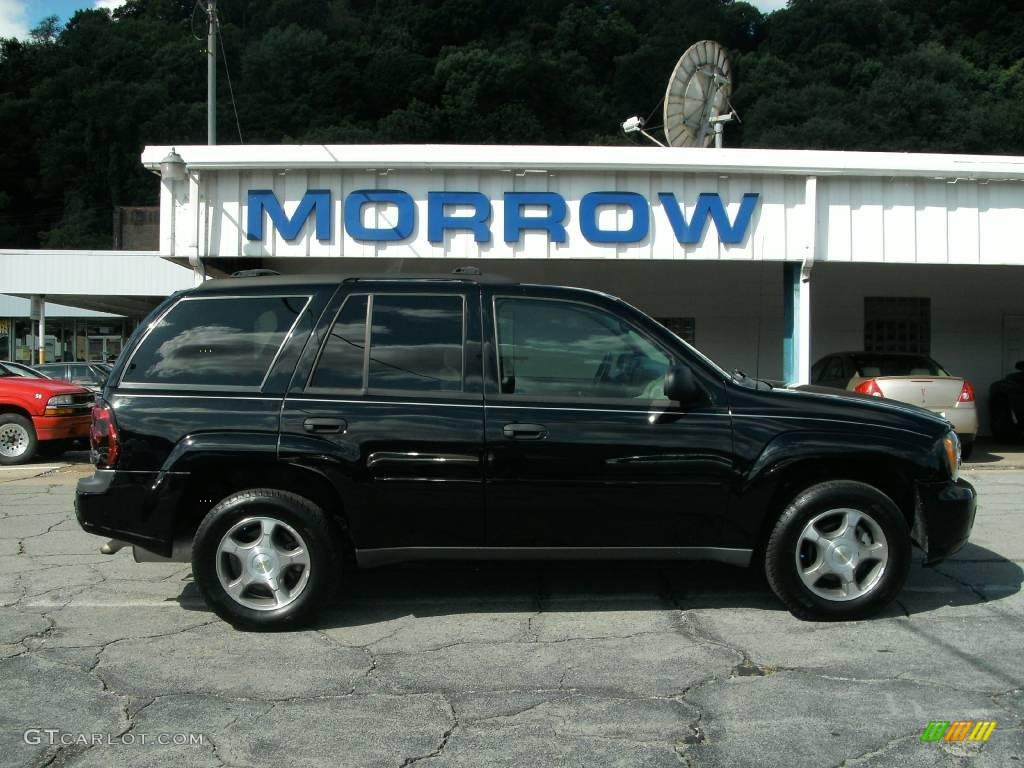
(341, 360)
(223, 341)
(415, 345)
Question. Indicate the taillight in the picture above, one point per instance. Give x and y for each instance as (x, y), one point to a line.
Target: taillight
(869, 387)
(103, 439)
(966, 393)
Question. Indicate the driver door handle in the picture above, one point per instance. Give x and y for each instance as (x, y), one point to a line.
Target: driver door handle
(524, 431)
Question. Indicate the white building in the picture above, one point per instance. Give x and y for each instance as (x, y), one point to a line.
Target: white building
(767, 259)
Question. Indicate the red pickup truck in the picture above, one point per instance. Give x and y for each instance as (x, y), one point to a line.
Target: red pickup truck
(40, 414)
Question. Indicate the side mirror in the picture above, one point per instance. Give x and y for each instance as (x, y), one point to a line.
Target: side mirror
(1020, 365)
(681, 386)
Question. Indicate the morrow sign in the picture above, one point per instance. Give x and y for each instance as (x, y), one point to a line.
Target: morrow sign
(523, 212)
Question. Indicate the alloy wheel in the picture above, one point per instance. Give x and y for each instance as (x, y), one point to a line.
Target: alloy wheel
(263, 563)
(841, 554)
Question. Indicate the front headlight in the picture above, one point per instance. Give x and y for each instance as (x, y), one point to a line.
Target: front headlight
(58, 401)
(951, 443)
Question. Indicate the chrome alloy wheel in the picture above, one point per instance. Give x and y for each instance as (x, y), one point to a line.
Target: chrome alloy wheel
(14, 440)
(263, 563)
(841, 554)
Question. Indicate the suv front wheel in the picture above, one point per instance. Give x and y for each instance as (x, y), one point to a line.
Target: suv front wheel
(840, 550)
(265, 559)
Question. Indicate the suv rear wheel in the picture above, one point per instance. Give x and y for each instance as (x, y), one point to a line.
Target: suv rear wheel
(17, 439)
(265, 559)
(840, 550)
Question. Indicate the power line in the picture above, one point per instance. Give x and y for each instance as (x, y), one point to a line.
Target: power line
(231, 90)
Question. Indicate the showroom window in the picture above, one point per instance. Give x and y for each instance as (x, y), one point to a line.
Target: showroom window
(562, 349)
(219, 342)
(683, 327)
(897, 324)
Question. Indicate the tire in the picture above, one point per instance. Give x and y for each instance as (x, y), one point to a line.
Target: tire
(790, 551)
(966, 449)
(287, 538)
(17, 439)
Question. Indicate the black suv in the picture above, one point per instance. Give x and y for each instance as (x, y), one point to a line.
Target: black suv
(270, 428)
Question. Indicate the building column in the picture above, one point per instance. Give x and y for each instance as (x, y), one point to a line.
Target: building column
(796, 340)
(37, 314)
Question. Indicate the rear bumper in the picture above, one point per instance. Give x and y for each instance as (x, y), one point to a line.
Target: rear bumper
(946, 513)
(61, 427)
(964, 420)
(137, 507)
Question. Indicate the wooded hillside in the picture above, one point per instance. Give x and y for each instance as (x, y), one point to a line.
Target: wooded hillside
(78, 102)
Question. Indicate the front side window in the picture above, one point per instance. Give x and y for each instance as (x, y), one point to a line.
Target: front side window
(223, 341)
(562, 349)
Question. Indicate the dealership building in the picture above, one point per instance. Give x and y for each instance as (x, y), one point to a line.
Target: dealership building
(767, 260)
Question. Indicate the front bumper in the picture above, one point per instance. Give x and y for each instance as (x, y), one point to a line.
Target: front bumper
(61, 427)
(945, 513)
(137, 507)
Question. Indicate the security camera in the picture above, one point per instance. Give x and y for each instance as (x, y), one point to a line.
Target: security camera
(633, 124)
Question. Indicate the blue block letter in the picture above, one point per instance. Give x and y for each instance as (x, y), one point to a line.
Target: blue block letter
(709, 204)
(260, 200)
(354, 214)
(552, 223)
(438, 221)
(588, 217)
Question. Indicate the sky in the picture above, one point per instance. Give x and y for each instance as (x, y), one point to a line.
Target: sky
(17, 17)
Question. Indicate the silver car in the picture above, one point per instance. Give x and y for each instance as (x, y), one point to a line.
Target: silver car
(909, 378)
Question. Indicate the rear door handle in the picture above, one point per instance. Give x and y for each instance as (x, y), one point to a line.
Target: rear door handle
(324, 426)
(524, 431)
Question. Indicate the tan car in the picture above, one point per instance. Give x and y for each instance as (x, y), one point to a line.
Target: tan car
(909, 378)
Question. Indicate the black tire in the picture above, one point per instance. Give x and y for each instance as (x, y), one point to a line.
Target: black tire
(19, 439)
(1001, 420)
(966, 448)
(305, 518)
(781, 550)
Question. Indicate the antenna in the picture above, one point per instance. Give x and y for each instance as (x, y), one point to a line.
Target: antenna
(697, 98)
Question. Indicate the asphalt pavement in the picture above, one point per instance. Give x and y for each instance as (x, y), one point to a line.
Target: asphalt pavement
(104, 662)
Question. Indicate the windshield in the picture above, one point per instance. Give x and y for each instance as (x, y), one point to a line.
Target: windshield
(870, 366)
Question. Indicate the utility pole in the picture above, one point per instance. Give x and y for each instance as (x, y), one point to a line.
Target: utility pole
(211, 73)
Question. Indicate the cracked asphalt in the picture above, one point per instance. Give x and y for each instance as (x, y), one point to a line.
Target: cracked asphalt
(533, 665)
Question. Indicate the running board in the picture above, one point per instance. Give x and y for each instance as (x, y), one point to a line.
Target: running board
(371, 558)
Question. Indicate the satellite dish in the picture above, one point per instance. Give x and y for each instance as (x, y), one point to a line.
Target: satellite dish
(697, 97)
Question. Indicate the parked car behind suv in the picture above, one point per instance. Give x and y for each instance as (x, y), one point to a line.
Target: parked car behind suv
(90, 375)
(39, 415)
(1006, 405)
(909, 378)
(270, 428)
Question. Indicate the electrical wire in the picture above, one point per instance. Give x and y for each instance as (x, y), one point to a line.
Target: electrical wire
(231, 90)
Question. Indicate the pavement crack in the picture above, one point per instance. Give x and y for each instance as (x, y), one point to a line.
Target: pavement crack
(444, 737)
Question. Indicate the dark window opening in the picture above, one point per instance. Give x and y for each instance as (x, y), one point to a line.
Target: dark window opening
(896, 324)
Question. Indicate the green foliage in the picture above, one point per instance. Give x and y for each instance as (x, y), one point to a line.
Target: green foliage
(79, 102)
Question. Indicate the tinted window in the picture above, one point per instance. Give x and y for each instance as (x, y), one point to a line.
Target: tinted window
(416, 343)
(563, 349)
(221, 341)
(341, 361)
(60, 371)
